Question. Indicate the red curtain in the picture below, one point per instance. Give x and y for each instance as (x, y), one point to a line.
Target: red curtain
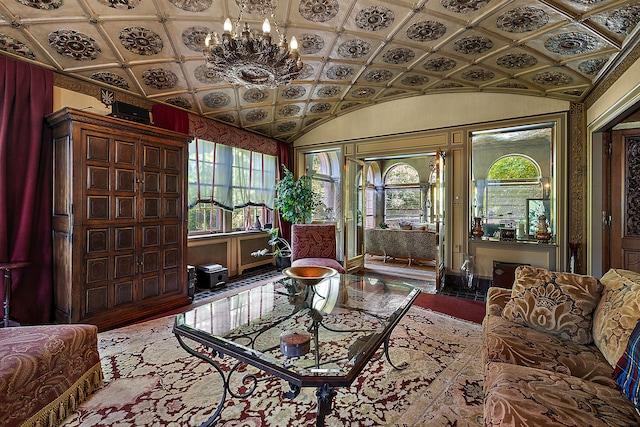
(171, 118)
(285, 158)
(26, 98)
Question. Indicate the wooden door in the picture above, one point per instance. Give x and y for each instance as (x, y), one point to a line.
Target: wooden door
(625, 199)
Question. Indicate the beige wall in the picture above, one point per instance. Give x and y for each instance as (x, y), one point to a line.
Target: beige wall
(429, 112)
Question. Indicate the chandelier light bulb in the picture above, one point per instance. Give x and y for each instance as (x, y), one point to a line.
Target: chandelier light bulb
(294, 44)
(266, 26)
(227, 26)
(207, 40)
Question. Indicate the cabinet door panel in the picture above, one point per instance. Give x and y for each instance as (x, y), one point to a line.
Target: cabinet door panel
(151, 208)
(125, 180)
(171, 183)
(125, 152)
(98, 148)
(97, 269)
(125, 238)
(172, 160)
(124, 266)
(97, 300)
(98, 207)
(125, 208)
(171, 208)
(171, 234)
(97, 178)
(151, 157)
(97, 240)
(170, 258)
(150, 235)
(151, 182)
(150, 262)
(150, 287)
(171, 282)
(123, 293)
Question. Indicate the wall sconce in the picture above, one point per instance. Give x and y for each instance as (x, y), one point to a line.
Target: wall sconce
(546, 187)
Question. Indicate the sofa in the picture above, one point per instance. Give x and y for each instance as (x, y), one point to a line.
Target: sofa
(413, 245)
(45, 372)
(557, 350)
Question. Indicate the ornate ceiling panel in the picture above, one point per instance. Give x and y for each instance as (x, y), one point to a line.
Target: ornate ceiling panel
(355, 52)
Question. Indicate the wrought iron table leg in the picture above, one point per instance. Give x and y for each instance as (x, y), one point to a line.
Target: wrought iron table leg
(325, 395)
(405, 365)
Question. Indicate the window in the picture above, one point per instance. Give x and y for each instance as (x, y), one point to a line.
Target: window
(402, 195)
(227, 179)
(511, 167)
(324, 170)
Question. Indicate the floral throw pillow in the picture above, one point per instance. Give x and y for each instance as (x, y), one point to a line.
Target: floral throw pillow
(560, 304)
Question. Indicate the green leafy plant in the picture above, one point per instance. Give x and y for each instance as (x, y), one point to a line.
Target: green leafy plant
(383, 225)
(279, 246)
(294, 198)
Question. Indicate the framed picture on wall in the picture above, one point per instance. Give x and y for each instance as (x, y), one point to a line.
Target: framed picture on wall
(535, 208)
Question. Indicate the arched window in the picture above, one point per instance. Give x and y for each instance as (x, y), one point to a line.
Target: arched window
(324, 170)
(402, 195)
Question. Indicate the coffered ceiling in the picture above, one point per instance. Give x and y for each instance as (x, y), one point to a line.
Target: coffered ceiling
(355, 52)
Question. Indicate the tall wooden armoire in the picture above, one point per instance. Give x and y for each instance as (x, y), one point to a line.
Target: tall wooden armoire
(119, 209)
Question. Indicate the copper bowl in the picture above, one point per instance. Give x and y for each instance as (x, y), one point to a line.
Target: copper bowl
(309, 275)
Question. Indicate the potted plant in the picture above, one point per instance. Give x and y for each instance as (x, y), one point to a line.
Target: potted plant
(280, 248)
(294, 198)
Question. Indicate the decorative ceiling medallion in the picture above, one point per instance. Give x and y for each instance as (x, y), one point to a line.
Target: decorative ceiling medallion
(571, 43)
(472, 45)
(398, 55)
(306, 72)
(592, 66)
(192, 5)
(624, 20)
(478, 75)
(464, 6)
(255, 95)
(318, 10)
(42, 4)
(354, 48)
(75, 45)
(286, 127)
(11, 45)
(552, 78)
(289, 110)
(216, 100)
(310, 44)
(120, 4)
(426, 31)
(512, 85)
(448, 85)
(141, 41)
(439, 65)
(193, 37)
(320, 107)
(516, 60)
(415, 80)
(256, 116)
(228, 118)
(179, 101)
(159, 78)
(206, 75)
(293, 92)
(329, 91)
(110, 79)
(340, 72)
(522, 20)
(375, 18)
(258, 7)
(348, 105)
(363, 92)
(377, 76)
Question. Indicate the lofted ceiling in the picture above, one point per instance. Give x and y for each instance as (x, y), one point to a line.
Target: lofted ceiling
(355, 52)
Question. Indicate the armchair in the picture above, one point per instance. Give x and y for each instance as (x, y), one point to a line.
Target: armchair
(314, 244)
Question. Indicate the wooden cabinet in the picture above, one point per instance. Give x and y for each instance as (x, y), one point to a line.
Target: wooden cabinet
(119, 212)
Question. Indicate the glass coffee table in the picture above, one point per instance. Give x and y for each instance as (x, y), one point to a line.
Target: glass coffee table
(318, 336)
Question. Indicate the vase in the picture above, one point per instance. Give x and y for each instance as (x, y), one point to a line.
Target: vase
(542, 235)
(477, 230)
(257, 225)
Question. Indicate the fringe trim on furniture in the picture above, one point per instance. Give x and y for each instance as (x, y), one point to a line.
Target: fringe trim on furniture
(55, 412)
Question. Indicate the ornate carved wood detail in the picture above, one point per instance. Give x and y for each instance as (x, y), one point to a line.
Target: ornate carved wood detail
(599, 89)
(632, 190)
(577, 164)
(91, 89)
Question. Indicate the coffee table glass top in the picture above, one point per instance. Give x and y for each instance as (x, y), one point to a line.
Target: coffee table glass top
(344, 320)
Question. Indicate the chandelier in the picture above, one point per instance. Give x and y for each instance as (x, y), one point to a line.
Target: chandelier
(251, 59)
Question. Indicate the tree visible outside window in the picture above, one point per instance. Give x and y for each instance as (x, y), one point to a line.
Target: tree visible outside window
(402, 200)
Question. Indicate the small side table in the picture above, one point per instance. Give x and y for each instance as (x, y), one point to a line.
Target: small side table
(7, 267)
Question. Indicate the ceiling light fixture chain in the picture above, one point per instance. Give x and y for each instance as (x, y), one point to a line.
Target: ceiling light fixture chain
(250, 59)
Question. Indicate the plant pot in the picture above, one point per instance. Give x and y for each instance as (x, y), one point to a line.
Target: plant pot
(283, 262)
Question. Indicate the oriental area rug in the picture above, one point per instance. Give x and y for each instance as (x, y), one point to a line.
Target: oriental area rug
(151, 381)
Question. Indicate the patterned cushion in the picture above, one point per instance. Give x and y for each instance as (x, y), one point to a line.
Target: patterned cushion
(557, 303)
(497, 298)
(509, 342)
(519, 396)
(627, 373)
(313, 241)
(617, 313)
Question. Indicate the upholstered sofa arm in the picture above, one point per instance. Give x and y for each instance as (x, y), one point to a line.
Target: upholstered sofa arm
(497, 299)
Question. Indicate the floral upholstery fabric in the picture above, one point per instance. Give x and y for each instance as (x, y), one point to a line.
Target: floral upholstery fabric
(45, 371)
(509, 342)
(617, 313)
(497, 298)
(561, 304)
(520, 396)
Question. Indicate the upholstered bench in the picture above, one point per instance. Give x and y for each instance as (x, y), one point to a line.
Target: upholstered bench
(45, 372)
